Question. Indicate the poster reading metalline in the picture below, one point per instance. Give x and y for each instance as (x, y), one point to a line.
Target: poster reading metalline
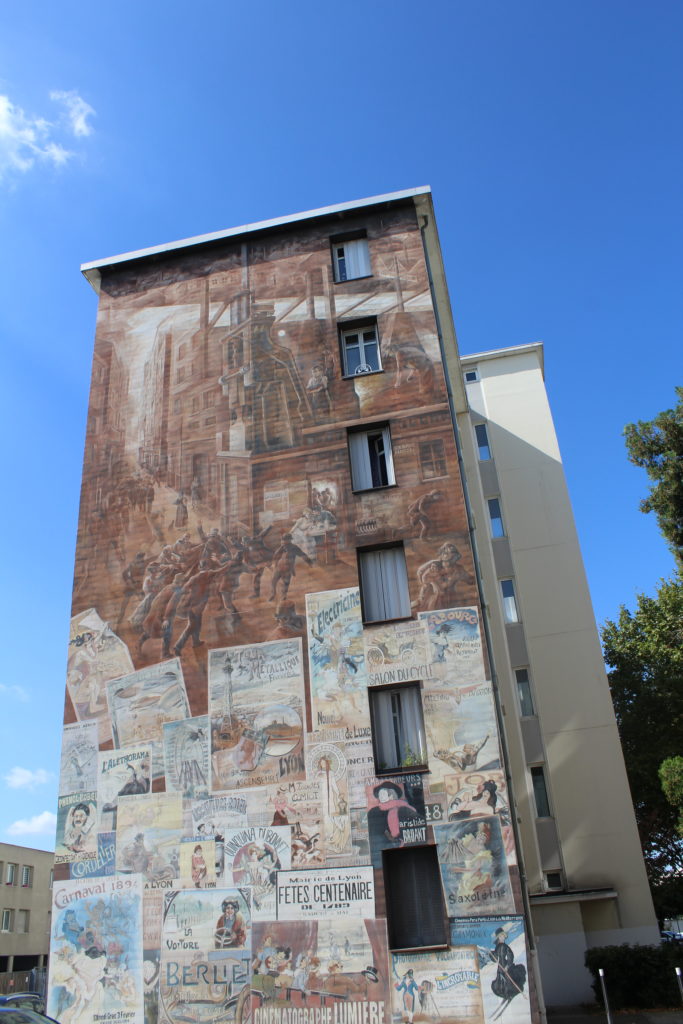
(80, 745)
(337, 662)
(455, 651)
(474, 867)
(205, 950)
(501, 950)
(253, 856)
(141, 702)
(331, 892)
(256, 704)
(96, 955)
(439, 987)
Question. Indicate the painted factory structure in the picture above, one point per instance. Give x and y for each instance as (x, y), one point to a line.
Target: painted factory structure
(317, 761)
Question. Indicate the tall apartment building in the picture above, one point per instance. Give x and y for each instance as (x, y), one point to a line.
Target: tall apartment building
(26, 880)
(291, 718)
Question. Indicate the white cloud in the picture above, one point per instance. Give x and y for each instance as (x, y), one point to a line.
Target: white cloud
(14, 691)
(40, 824)
(25, 778)
(77, 111)
(26, 141)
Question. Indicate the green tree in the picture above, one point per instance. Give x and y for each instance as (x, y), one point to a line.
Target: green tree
(644, 653)
(671, 778)
(657, 446)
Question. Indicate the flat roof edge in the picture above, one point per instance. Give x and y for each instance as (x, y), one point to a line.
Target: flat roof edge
(244, 229)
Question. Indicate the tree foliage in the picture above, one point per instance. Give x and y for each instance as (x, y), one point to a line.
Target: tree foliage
(644, 652)
(671, 778)
(657, 446)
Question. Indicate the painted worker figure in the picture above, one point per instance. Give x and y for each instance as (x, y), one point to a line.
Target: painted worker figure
(192, 603)
(418, 515)
(284, 561)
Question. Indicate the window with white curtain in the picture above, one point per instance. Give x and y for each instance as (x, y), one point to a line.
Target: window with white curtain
(372, 464)
(351, 259)
(398, 731)
(384, 584)
(507, 591)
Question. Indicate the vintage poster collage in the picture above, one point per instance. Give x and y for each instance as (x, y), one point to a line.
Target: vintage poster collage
(222, 813)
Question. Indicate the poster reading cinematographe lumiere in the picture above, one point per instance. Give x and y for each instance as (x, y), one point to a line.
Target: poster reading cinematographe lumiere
(249, 752)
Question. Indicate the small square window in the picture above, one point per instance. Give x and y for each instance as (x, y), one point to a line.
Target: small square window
(524, 690)
(471, 376)
(398, 731)
(483, 446)
(507, 590)
(540, 792)
(372, 464)
(384, 584)
(351, 259)
(360, 350)
(553, 880)
(496, 517)
(432, 459)
(416, 914)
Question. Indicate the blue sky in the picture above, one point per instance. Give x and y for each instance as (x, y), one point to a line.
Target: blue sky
(549, 132)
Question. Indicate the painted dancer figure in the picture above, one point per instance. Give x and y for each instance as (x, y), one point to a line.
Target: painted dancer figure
(510, 977)
(284, 561)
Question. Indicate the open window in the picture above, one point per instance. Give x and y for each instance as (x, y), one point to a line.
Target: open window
(372, 464)
(398, 731)
(351, 259)
(416, 913)
(384, 583)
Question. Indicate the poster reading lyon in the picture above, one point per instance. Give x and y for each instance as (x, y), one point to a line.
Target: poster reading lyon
(256, 704)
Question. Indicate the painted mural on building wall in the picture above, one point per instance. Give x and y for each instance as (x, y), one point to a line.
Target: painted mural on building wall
(220, 801)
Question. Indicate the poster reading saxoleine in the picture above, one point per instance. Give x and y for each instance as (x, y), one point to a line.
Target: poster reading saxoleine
(331, 892)
(337, 662)
(474, 867)
(501, 950)
(455, 650)
(141, 702)
(96, 955)
(256, 703)
(205, 955)
(440, 987)
(80, 745)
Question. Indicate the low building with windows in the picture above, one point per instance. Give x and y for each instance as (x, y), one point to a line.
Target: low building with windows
(26, 879)
(297, 642)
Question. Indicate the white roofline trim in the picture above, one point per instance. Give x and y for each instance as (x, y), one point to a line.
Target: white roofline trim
(244, 229)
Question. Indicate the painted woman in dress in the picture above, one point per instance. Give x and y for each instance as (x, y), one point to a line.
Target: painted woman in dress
(410, 989)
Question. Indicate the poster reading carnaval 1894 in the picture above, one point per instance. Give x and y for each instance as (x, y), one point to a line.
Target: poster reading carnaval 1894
(96, 956)
(256, 704)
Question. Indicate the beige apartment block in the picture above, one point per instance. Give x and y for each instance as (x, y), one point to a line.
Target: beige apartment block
(584, 868)
(26, 879)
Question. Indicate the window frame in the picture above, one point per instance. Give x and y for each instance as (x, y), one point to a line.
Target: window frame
(361, 555)
(388, 453)
(537, 772)
(26, 873)
(373, 698)
(479, 446)
(529, 694)
(357, 327)
(496, 519)
(11, 873)
(507, 597)
(437, 461)
(7, 913)
(339, 241)
(397, 898)
(475, 378)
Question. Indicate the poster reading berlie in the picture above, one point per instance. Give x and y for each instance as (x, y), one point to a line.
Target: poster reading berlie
(121, 774)
(501, 950)
(338, 967)
(437, 986)
(186, 756)
(96, 955)
(256, 703)
(337, 662)
(80, 745)
(455, 651)
(473, 867)
(141, 702)
(205, 950)
(332, 892)
(253, 856)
